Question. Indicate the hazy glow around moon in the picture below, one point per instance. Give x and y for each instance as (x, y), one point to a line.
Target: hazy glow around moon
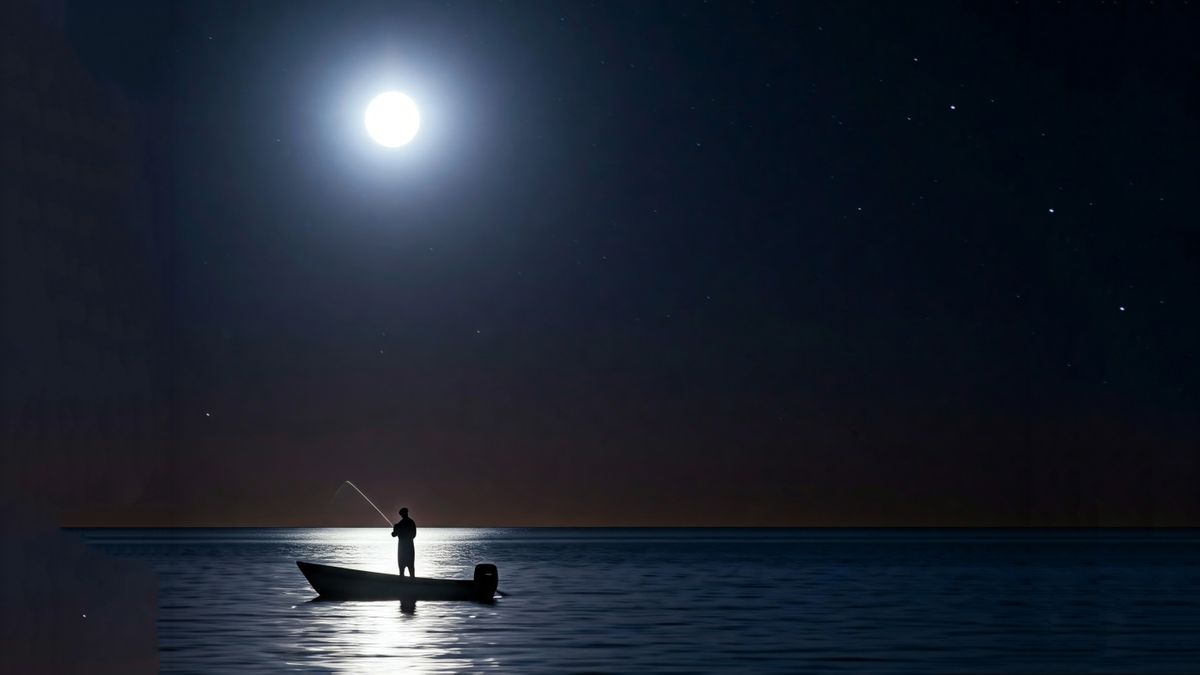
(392, 119)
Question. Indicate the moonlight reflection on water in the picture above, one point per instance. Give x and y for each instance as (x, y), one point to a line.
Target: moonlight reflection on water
(699, 600)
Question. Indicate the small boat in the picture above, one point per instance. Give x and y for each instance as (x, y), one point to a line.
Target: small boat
(341, 583)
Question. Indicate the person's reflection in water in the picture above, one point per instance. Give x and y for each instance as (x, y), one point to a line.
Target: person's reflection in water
(406, 531)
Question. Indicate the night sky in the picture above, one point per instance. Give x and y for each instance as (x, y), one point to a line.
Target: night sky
(677, 263)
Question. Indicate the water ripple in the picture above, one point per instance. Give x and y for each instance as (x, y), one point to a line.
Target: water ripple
(686, 601)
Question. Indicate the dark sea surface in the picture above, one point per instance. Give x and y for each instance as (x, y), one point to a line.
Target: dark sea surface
(686, 600)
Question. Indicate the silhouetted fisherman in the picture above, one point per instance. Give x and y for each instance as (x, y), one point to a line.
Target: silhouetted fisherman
(406, 531)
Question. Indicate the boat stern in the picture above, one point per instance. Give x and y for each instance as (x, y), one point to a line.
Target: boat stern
(487, 579)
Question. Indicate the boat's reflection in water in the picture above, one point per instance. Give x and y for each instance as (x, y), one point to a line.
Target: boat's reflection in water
(407, 606)
(390, 635)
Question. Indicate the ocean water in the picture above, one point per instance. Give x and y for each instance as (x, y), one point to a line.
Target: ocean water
(686, 600)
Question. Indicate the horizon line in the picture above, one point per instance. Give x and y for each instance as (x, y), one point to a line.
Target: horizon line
(638, 527)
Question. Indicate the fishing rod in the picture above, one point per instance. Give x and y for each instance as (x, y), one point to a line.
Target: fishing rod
(364, 496)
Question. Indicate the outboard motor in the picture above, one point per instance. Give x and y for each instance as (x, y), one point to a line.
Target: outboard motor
(486, 580)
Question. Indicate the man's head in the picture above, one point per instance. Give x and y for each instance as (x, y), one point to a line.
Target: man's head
(404, 512)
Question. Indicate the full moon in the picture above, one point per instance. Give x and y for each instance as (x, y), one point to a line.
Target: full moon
(392, 119)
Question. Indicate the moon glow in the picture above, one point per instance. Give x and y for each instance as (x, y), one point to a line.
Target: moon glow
(392, 119)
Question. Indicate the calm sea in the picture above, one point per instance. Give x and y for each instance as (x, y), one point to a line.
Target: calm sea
(686, 600)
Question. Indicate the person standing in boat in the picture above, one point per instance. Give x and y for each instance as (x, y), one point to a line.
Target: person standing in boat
(405, 531)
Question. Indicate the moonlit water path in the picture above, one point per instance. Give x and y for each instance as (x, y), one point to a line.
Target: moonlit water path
(882, 601)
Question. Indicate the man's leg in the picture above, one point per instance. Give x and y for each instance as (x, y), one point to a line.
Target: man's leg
(409, 557)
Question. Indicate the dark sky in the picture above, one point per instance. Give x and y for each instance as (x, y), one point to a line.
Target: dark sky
(668, 263)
